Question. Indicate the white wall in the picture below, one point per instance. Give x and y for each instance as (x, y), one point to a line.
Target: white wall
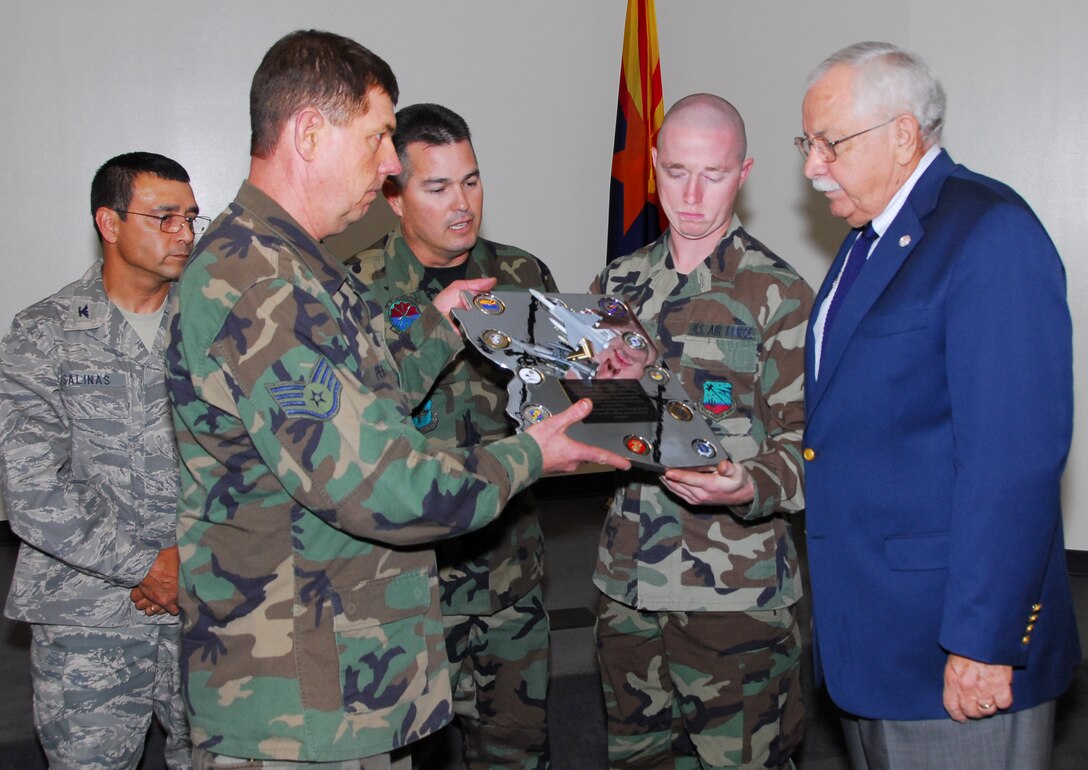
(537, 83)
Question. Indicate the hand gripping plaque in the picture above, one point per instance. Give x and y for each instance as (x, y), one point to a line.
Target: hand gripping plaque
(562, 347)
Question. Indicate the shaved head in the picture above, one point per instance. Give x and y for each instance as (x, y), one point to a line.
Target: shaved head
(699, 166)
(707, 112)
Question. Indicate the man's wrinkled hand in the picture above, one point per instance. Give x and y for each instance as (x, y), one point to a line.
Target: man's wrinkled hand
(450, 297)
(974, 690)
(158, 591)
(561, 452)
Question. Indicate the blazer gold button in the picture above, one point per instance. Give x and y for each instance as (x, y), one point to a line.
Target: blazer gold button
(1025, 640)
(809, 454)
(1030, 628)
(1036, 607)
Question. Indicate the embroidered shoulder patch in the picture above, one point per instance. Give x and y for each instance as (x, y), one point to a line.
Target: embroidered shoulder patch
(318, 398)
(402, 313)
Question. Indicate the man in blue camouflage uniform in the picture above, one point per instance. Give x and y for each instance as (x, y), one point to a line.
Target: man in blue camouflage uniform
(697, 637)
(312, 634)
(491, 598)
(90, 478)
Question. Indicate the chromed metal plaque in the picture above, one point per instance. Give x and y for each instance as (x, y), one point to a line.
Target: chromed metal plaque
(562, 347)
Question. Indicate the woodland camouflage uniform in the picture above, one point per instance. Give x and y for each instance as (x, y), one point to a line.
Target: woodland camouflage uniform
(491, 599)
(308, 635)
(716, 586)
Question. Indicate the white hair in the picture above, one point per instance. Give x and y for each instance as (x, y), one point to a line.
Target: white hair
(890, 80)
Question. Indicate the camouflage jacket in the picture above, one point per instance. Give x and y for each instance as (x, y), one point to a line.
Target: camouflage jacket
(734, 330)
(307, 634)
(87, 456)
(491, 568)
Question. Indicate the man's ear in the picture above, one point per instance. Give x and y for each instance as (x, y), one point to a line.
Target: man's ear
(908, 139)
(307, 124)
(107, 220)
(746, 169)
(391, 191)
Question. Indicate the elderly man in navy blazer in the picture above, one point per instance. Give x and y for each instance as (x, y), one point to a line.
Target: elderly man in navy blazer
(939, 417)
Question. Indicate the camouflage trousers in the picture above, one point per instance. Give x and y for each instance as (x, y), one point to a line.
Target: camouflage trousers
(700, 689)
(96, 689)
(499, 673)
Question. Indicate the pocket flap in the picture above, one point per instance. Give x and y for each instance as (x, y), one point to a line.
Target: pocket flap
(917, 552)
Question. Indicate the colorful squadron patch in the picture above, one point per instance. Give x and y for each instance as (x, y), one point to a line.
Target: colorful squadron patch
(717, 399)
(319, 398)
(402, 313)
(425, 419)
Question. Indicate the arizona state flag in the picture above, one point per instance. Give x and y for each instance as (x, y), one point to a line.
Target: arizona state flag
(634, 214)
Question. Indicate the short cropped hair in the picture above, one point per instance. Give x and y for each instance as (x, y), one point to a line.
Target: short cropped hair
(432, 124)
(113, 182)
(313, 68)
(891, 80)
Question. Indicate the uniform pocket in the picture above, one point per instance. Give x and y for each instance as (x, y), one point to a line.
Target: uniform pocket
(381, 642)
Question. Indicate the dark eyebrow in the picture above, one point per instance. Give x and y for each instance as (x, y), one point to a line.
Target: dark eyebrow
(170, 208)
(447, 180)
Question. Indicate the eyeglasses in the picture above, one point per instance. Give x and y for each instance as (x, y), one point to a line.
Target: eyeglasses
(172, 223)
(826, 149)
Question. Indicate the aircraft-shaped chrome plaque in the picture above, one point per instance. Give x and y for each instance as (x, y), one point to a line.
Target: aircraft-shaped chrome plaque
(562, 347)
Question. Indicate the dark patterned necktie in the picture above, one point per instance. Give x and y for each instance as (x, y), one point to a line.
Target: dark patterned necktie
(855, 260)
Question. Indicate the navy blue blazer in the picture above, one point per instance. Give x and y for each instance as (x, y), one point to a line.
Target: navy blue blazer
(936, 436)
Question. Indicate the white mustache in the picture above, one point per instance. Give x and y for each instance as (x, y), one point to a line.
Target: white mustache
(825, 184)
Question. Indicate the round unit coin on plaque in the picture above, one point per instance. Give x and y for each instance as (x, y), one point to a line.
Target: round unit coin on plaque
(635, 341)
(534, 413)
(496, 340)
(680, 411)
(530, 376)
(704, 448)
(657, 374)
(488, 304)
(612, 307)
(636, 445)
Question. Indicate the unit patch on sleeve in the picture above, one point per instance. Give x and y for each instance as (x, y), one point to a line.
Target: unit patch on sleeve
(318, 398)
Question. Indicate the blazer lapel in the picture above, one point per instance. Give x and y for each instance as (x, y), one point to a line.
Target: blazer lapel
(892, 250)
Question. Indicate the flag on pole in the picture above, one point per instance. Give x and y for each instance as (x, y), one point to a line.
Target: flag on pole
(635, 217)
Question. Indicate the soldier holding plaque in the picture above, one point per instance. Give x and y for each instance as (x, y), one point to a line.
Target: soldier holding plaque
(697, 568)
